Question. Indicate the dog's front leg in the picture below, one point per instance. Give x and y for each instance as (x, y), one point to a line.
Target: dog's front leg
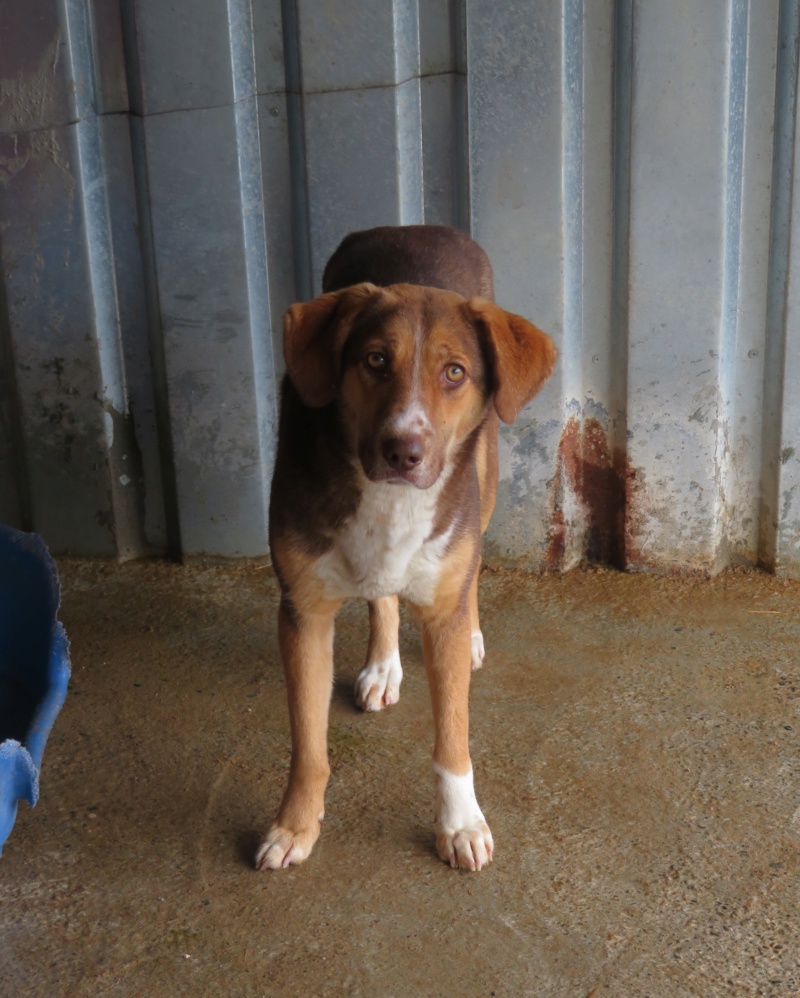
(306, 644)
(463, 838)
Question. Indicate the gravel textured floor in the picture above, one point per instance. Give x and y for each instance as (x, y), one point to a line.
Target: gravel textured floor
(635, 744)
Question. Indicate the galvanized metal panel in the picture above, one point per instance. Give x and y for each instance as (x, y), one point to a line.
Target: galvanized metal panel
(347, 175)
(214, 317)
(73, 295)
(35, 77)
(67, 389)
(676, 273)
(173, 176)
(184, 59)
(352, 45)
(514, 54)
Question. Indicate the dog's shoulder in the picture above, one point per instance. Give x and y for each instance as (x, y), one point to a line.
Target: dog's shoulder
(315, 486)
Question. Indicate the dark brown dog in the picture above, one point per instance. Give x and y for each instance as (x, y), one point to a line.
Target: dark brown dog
(385, 480)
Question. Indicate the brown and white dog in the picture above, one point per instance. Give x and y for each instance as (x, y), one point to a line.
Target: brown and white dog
(385, 479)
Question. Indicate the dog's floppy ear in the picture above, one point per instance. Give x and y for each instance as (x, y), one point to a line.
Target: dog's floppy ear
(522, 356)
(314, 333)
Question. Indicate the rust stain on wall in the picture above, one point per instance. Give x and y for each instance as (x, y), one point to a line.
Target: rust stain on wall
(595, 481)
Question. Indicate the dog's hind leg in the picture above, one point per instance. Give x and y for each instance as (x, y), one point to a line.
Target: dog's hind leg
(378, 683)
(476, 635)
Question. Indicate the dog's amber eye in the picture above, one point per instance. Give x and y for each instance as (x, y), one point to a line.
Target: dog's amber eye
(454, 373)
(376, 361)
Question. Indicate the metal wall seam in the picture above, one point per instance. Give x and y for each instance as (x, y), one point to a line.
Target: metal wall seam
(589, 500)
(737, 65)
(460, 171)
(788, 540)
(746, 314)
(303, 289)
(15, 500)
(161, 479)
(574, 181)
(779, 546)
(568, 502)
(251, 189)
(618, 359)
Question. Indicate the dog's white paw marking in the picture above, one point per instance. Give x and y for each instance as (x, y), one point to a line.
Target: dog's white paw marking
(478, 650)
(283, 847)
(378, 683)
(463, 838)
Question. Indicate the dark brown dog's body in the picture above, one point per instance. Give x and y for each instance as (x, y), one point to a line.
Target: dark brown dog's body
(384, 481)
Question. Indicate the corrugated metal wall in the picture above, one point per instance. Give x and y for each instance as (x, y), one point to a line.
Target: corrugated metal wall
(172, 175)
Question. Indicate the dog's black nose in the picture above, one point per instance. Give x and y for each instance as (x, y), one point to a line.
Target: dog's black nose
(403, 453)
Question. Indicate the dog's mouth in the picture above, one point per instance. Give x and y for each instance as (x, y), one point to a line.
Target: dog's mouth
(421, 476)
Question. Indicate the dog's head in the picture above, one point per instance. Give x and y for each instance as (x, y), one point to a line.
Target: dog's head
(413, 370)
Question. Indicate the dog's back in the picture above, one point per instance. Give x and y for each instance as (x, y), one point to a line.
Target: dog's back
(431, 255)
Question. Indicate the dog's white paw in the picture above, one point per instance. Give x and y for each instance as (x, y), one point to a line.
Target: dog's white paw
(466, 848)
(463, 838)
(478, 650)
(378, 683)
(283, 847)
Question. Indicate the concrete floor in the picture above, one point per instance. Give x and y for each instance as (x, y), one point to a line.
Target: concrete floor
(635, 742)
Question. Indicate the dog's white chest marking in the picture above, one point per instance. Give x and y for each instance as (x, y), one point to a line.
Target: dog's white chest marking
(382, 549)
